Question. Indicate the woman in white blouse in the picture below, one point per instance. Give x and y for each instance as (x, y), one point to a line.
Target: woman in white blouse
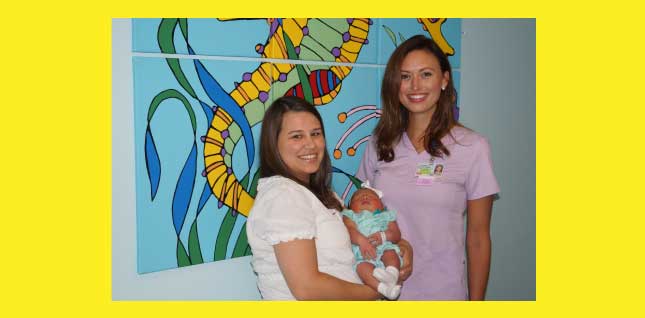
(301, 248)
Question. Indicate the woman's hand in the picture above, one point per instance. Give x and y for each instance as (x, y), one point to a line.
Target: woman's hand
(406, 255)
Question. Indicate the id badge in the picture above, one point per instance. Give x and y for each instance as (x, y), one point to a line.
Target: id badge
(424, 173)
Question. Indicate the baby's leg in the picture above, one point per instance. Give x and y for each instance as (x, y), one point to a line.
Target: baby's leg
(392, 263)
(364, 271)
(390, 258)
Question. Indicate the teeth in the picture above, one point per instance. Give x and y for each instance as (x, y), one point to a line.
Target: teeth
(308, 157)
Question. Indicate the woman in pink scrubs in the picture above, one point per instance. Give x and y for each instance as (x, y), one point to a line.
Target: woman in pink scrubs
(417, 132)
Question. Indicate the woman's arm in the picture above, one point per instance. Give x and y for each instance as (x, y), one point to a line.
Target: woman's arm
(299, 265)
(478, 245)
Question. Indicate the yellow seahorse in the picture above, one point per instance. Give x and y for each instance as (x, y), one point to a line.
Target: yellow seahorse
(223, 133)
(433, 26)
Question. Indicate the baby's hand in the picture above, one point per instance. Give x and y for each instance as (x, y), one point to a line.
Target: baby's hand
(367, 250)
(375, 239)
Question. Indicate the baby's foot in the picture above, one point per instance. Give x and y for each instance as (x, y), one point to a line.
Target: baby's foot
(389, 291)
(385, 276)
(393, 271)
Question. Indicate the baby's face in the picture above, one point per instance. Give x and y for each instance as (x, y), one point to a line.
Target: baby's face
(365, 199)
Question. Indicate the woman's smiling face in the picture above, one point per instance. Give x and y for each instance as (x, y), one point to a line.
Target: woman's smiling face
(301, 144)
(421, 82)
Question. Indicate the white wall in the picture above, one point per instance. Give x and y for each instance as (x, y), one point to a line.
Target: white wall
(497, 99)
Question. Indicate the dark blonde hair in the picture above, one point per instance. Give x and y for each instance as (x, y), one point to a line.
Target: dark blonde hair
(394, 116)
(271, 164)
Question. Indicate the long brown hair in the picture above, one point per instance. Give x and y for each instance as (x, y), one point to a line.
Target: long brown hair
(394, 117)
(271, 163)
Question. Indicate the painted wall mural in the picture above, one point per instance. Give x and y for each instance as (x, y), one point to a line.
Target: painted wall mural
(201, 87)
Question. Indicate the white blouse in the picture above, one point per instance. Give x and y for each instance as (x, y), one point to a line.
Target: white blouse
(283, 211)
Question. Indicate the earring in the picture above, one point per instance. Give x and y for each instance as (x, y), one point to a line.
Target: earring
(443, 88)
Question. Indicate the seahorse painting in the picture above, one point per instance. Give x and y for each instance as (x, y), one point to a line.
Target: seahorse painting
(316, 59)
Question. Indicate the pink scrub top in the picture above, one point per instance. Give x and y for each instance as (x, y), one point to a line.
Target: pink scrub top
(431, 215)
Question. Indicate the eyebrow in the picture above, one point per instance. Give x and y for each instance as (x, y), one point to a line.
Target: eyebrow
(302, 131)
(429, 68)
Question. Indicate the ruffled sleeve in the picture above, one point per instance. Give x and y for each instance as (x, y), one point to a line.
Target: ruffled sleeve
(284, 213)
(389, 215)
(350, 214)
